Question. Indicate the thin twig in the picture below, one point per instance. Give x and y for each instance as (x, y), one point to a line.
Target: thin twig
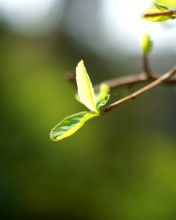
(161, 13)
(119, 82)
(146, 68)
(123, 81)
(144, 89)
(130, 80)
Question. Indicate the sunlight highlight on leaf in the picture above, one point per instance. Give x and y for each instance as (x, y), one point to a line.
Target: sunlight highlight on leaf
(70, 125)
(85, 89)
(169, 3)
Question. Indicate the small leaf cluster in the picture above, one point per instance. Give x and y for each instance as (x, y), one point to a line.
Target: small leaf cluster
(96, 101)
(161, 13)
(93, 101)
(86, 95)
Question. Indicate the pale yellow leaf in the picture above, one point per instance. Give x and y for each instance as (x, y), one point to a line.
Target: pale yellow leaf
(85, 89)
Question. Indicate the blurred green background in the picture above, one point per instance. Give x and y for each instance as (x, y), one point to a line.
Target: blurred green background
(120, 166)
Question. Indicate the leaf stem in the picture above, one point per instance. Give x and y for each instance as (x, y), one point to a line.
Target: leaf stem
(140, 91)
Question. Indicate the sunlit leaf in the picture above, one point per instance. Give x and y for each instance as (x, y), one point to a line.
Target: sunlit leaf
(85, 89)
(102, 96)
(169, 3)
(146, 44)
(158, 18)
(161, 7)
(104, 88)
(104, 99)
(70, 125)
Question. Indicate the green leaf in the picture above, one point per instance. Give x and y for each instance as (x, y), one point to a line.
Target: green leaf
(158, 18)
(161, 7)
(99, 96)
(102, 97)
(102, 102)
(169, 3)
(85, 89)
(70, 125)
(146, 44)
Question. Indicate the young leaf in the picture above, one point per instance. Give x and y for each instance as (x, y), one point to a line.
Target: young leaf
(70, 125)
(85, 89)
(158, 18)
(102, 102)
(102, 96)
(169, 3)
(161, 7)
(146, 44)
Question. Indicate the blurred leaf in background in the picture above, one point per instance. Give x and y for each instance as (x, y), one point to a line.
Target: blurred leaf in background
(168, 3)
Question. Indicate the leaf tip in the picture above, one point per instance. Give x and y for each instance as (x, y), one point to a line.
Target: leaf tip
(80, 63)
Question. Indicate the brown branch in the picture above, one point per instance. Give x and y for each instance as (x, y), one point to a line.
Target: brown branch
(119, 82)
(146, 68)
(124, 81)
(141, 91)
(161, 13)
(130, 80)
